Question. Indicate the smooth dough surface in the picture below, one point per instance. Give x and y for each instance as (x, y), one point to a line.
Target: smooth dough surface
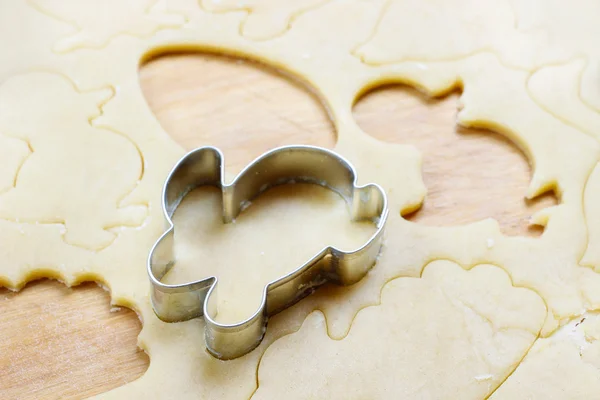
(487, 325)
(244, 255)
(84, 160)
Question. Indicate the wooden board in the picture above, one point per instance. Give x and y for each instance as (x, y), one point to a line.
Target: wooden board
(65, 343)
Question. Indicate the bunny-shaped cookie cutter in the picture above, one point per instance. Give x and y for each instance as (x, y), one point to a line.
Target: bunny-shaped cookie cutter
(283, 165)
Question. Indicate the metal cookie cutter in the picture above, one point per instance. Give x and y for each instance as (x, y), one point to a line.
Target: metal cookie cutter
(288, 164)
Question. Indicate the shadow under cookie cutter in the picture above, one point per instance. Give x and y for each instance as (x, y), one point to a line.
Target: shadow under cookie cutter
(289, 164)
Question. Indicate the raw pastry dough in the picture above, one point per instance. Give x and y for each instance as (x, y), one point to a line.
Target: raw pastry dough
(242, 279)
(266, 18)
(487, 326)
(97, 22)
(101, 227)
(566, 366)
(92, 169)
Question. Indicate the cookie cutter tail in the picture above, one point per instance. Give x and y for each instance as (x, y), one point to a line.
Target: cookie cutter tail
(284, 165)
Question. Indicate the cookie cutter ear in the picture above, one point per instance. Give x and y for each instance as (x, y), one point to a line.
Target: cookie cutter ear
(284, 165)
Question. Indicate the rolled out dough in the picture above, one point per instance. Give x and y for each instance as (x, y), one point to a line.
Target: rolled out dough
(85, 159)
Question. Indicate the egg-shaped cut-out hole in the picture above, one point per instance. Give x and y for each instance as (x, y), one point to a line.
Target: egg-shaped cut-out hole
(470, 174)
(67, 343)
(242, 107)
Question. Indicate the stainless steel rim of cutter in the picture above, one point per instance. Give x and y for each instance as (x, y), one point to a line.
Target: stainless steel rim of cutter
(289, 164)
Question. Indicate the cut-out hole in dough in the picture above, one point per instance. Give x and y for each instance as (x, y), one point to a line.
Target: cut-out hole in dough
(242, 107)
(470, 174)
(60, 342)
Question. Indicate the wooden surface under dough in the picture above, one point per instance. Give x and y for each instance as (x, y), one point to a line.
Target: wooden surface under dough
(65, 343)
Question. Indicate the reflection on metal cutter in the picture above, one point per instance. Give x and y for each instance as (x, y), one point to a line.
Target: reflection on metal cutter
(283, 165)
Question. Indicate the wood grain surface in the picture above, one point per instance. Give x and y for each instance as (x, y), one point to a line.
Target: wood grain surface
(66, 343)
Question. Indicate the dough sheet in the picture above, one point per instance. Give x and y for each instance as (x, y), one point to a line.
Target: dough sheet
(448, 312)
